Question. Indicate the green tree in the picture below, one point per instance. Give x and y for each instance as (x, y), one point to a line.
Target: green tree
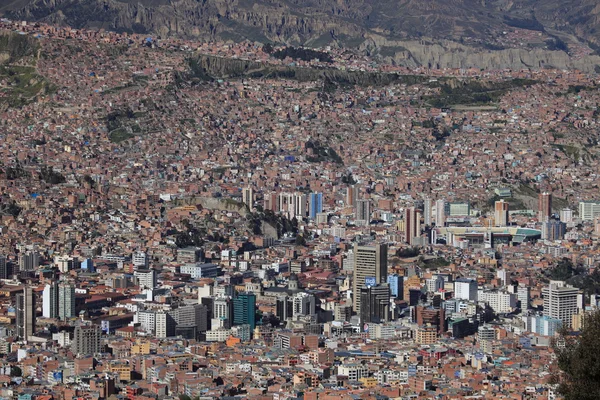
(578, 357)
(15, 371)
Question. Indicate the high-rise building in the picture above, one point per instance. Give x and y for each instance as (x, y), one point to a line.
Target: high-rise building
(140, 259)
(553, 230)
(589, 210)
(86, 340)
(440, 213)
(363, 210)
(370, 268)
(375, 303)
(165, 324)
(146, 278)
(412, 224)
(562, 301)
(25, 313)
(566, 215)
(303, 304)
(66, 300)
(222, 313)
(396, 283)
(50, 300)
(29, 261)
(248, 196)
(244, 310)
(351, 195)
(315, 205)
(4, 267)
(501, 213)
(465, 289)
(427, 211)
(544, 206)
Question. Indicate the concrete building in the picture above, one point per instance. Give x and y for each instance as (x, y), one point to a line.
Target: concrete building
(370, 268)
(375, 303)
(562, 301)
(86, 340)
(50, 300)
(25, 313)
(501, 213)
(465, 289)
(66, 301)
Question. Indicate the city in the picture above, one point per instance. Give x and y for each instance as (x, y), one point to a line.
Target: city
(170, 235)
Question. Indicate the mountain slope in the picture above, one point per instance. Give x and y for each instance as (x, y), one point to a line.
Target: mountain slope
(348, 23)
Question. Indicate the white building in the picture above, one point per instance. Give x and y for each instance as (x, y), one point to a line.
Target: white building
(465, 289)
(562, 301)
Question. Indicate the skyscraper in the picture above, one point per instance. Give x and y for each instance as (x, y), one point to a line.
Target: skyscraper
(562, 301)
(315, 205)
(553, 229)
(351, 195)
(25, 313)
(370, 267)
(501, 213)
(440, 212)
(66, 300)
(412, 224)
(363, 210)
(4, 268)
(248, 196)
(375, 303)
(544, 206)
(29, 261)
(86, 340)
(427, 211)
(244, 310)
(50, 300)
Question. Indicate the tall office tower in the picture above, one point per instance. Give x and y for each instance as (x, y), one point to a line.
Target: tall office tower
(139, 259)
(29, 261)
(284, 308)
(165, 324)
(396, 283)
(363, 210)
(501, 213)
(50, 300)
(370, 267)
(440, 212)
(315, 205)
(351, 195)
(412, 224)
(4, 268)
(271, 202)
(66, 300)
(146, 278)
(25, 313)
(523, 297)
(191, 316)
(86, 340)
(222, 312)
(375, 303)
(427, 211)
(562, 301)
(465, 289)
(300, 206)
(303, 304)
(544, 206)
(285, 201)
(566, 215)
(553, 230)
(248, 196)
(244, 310)
(588, 210)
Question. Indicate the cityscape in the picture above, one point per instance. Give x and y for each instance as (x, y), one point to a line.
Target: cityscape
(184, 219)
